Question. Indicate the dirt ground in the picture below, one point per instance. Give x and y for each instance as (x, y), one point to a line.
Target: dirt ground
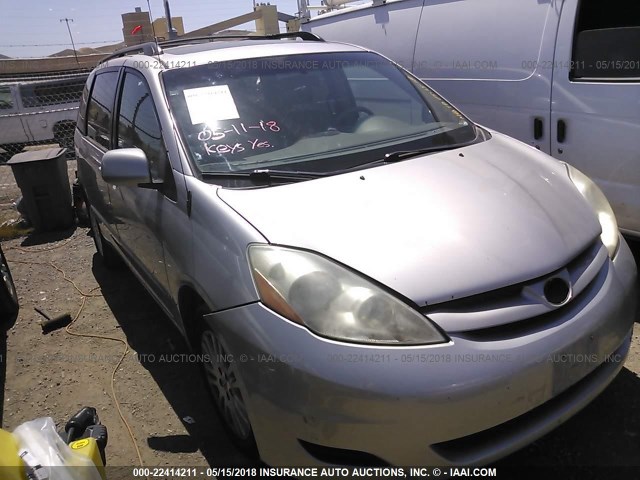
(163, 398)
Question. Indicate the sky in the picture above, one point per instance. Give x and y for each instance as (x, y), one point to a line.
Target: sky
(36, 23)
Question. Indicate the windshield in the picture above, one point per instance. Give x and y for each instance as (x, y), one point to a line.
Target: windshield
(319, 113)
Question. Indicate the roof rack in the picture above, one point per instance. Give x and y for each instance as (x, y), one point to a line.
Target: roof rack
(301, 35)
(148, 48)
(312, 37)
(212, 38)
(153, 48)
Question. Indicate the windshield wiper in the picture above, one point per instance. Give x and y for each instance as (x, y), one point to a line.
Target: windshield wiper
(265, 175)
(268, 174)
(400, 155)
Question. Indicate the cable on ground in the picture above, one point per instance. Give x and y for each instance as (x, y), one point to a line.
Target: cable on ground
(68, 330)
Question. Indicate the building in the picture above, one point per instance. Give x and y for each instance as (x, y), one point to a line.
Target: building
(162, 30)
(137, 27)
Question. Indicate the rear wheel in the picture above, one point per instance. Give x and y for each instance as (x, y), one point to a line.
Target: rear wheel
(223, 381)
(106, 252)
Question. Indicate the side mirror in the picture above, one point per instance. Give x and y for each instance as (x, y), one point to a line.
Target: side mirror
(127, 167)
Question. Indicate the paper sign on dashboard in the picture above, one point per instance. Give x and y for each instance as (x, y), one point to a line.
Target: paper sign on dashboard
(208, 104)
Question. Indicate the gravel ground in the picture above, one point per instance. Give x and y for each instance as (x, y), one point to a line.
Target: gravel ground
(164, 401)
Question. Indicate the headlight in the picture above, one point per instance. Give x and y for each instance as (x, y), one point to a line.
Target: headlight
(334, 302)
(592, 193)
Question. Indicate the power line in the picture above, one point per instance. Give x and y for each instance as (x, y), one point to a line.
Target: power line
(59, 44)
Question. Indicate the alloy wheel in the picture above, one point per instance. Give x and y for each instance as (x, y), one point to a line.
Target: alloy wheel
(222, 379)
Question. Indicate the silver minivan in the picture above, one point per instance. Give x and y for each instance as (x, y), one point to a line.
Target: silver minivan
(353, 259)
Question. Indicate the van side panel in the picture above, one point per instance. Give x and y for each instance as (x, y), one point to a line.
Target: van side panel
(601, 118)
(493, 60)
(389, 29)
(13, 131)
(40, 124)
(42, 110)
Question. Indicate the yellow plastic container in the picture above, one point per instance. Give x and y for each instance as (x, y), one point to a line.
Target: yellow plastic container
(89, 448)
(11, 464)
(12, 467)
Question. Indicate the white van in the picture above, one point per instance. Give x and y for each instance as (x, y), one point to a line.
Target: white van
(35, 111)
(560, 75)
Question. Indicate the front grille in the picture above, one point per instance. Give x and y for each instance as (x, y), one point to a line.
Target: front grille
(522, 302)
(538, 323)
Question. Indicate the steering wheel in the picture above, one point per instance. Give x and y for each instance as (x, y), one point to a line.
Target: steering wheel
(341, 117)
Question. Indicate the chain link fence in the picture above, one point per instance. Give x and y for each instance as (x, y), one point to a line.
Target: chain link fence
(36, 111)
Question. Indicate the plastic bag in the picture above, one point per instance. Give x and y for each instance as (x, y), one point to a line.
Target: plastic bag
(47, 457)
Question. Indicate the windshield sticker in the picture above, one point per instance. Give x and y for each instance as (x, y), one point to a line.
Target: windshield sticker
(222, 148)
(208, 104)
(211, 137)
(207, 133)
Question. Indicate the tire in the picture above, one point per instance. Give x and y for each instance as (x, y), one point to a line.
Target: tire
(222, 378)
(106, 252)
(8, 296)
(80, 207)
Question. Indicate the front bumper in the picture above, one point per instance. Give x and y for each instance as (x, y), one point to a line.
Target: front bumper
(470, 401)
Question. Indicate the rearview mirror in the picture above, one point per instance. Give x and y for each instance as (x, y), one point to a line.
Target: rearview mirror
(127, 167)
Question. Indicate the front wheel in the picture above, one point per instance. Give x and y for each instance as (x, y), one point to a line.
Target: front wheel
(223, 381)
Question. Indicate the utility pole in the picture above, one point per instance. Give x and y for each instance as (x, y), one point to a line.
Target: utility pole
(303, 9)
(173, 33)
(75, 54)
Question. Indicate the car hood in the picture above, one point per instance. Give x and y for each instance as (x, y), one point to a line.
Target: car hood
(436, 227)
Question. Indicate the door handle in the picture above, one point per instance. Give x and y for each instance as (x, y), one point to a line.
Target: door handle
(538, 128)
(562, 131)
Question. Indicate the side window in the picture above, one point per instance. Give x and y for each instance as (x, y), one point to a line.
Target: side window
(100, 109)
(138, 124)
(6, 101)
(606, 44)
